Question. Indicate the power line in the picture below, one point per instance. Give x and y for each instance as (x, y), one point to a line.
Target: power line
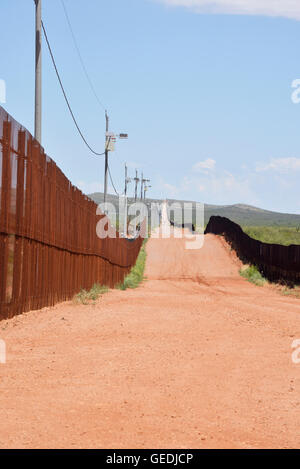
(112, 182)
(80, 57)
(65, 96)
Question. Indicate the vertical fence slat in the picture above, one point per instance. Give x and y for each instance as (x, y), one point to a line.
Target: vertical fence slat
(276, 262)
(49, 249)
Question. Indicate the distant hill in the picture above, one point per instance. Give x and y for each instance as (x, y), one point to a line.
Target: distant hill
(251, 216)
(244, 215)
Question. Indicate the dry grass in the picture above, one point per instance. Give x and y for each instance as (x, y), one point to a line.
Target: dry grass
(85, 297)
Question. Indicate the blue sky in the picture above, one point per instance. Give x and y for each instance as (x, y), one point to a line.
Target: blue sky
(202, 87)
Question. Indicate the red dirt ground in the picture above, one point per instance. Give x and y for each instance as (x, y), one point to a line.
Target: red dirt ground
(196, 357)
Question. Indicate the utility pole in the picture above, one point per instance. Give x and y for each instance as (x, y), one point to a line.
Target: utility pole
(127, 181)
(106, 156)
(110, 139)
(137, 180)
(38, 72)
(145, 190)
(142, 184)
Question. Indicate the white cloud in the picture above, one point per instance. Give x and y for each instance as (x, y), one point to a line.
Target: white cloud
(272, 185)
(284, 8)
(225, 188)
(281, 165)
(133, 165)
(214, 186)
(170, 189)
(200, 187)
(91, 187)
(206, 165)
(2, 92)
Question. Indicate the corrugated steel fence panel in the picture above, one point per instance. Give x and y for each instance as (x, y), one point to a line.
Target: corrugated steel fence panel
(275, 261)
(49, 249)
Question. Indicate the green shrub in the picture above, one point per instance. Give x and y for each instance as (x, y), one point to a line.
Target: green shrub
(253, 275)
(295, 291)
(274, 234)
(136, 275)
(85, 297)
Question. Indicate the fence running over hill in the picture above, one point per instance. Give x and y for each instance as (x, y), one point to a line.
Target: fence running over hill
(190, 226)
(49, 249)
(275, 262)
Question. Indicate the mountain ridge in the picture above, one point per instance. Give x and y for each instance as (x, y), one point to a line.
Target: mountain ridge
(243, 214)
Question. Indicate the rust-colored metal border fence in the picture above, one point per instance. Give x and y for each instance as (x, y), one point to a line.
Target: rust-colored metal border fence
(275, 262)
(49, 249)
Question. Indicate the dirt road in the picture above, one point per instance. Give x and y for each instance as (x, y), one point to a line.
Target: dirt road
(196, 357)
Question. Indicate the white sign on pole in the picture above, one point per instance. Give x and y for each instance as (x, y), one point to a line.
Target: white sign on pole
(110, 141)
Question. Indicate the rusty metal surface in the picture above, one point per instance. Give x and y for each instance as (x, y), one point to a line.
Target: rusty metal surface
(276, 262)
(49, 249)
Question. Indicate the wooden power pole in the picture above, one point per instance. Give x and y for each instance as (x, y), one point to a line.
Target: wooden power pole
(137, 180)
(38, 72)
(106, 156)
